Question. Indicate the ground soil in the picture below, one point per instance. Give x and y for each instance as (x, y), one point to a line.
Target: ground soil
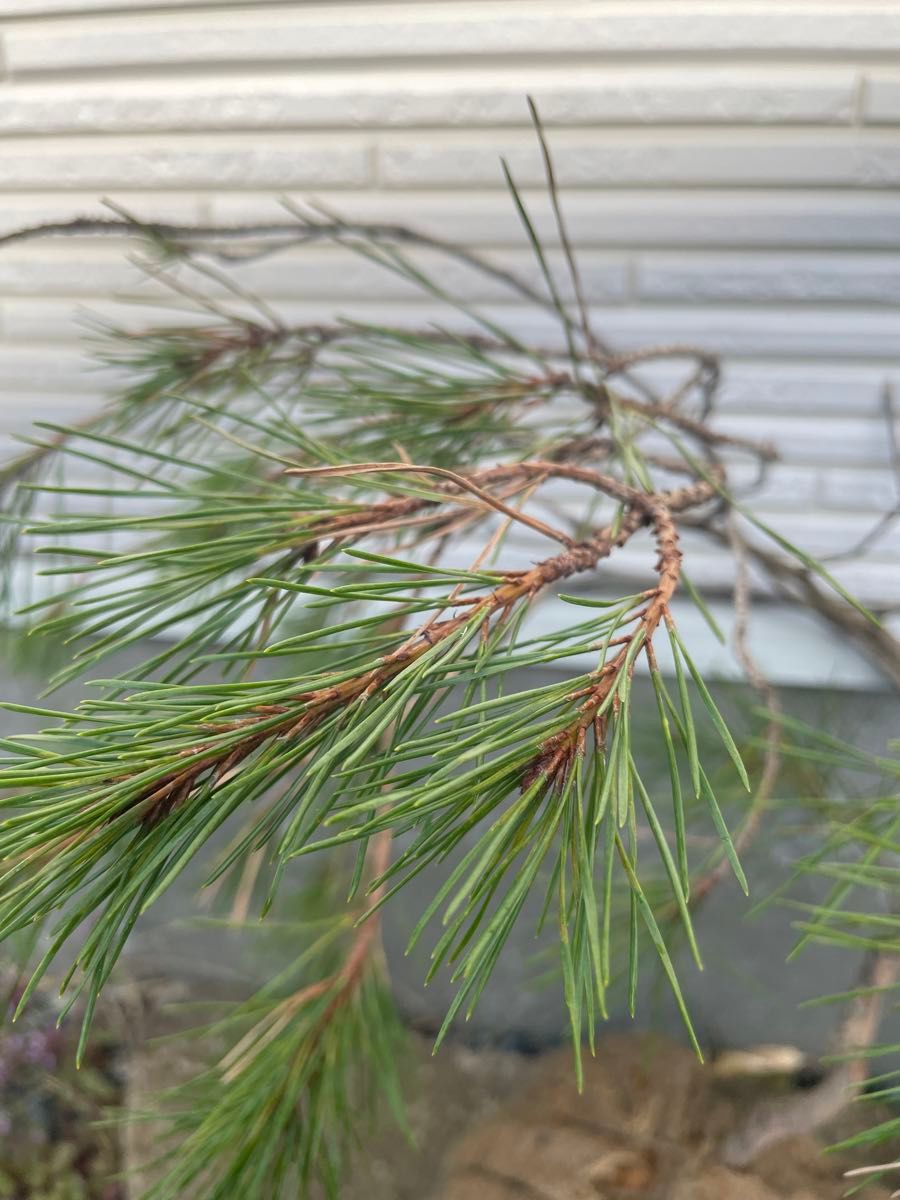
(493, 1125)
(646, 1127)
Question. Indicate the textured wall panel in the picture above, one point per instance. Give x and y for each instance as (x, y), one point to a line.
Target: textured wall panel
(325, 32)
(439, 96)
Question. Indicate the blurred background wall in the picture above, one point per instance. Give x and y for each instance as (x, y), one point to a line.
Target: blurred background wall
(731, 174)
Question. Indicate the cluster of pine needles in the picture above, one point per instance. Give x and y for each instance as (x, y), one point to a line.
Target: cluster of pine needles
(279, 511)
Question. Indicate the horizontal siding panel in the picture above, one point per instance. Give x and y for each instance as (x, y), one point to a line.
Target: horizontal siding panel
(74, 322)
(81, 268)
(770, 278)
(838, 533)
(772, 332)
(438, 97)
(743, 332)
(820, 491)
(874, 583)
(812, 387)
(60, 320)
(19, 210)
(18, 419)
(319, 32)
(845, 488)
(29, 370)
(646, 158)
(40, 8)
(834, 440)
(881, 98)
(782, 487)
(42, 269)
(755, 218)
(190, 162)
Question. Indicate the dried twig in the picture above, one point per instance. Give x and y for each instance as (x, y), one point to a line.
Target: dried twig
(887, 519)
(774, 733)
(772, 1121)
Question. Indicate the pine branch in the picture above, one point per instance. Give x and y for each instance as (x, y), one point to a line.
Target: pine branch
(282, 1108)
(299, 488)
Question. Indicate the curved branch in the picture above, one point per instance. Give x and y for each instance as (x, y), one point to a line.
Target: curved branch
(299, 232)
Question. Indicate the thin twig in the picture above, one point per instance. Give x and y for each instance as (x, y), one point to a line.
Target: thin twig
(774, 735)
(772, 1121)
(887, 519)
(460, 480)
